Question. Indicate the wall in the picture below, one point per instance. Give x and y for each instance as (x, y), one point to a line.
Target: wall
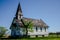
(38, 32)
(22, 31)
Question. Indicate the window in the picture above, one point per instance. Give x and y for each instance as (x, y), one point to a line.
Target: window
(41, 29)
(45, 29)
(19, 17)
(36, 28)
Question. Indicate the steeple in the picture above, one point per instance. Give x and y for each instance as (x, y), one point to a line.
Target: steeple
(19, 12)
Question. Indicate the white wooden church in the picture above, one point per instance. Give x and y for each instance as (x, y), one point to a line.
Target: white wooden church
(17, 29)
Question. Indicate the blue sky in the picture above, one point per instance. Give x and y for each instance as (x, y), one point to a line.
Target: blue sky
(47, 10)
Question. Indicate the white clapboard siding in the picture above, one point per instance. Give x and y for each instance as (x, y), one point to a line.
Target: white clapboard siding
(38, 32)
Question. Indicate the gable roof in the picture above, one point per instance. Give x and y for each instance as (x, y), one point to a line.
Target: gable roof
(36, 22)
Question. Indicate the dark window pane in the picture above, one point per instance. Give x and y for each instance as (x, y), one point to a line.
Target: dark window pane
(41, 29)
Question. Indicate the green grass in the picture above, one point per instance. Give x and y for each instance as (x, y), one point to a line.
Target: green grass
(38, 38)
(50, 37)
(41, 38)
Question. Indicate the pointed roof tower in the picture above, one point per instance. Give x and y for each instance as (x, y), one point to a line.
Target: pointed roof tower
(19, 11)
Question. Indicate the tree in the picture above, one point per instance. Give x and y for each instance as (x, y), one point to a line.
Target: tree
(2, 31)
(27, 24)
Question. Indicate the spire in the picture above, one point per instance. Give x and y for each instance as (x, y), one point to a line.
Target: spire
(19, 11)
(19, 8)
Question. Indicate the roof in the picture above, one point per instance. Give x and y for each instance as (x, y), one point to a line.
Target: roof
(36, 22)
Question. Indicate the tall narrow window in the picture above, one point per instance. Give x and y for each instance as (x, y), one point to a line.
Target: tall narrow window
(18, 17)
(45, 29)
(41, 29)
(36, 28)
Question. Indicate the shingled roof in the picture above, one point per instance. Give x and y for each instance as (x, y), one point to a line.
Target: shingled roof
(36, 22)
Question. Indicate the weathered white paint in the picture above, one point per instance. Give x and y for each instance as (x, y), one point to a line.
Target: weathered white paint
(18, 32)
(19, 15)
(38, 32)
(21, 31)
(32, 36)
(12, 33)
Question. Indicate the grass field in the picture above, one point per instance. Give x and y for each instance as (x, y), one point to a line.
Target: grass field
(40, 38)
(50, 37)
